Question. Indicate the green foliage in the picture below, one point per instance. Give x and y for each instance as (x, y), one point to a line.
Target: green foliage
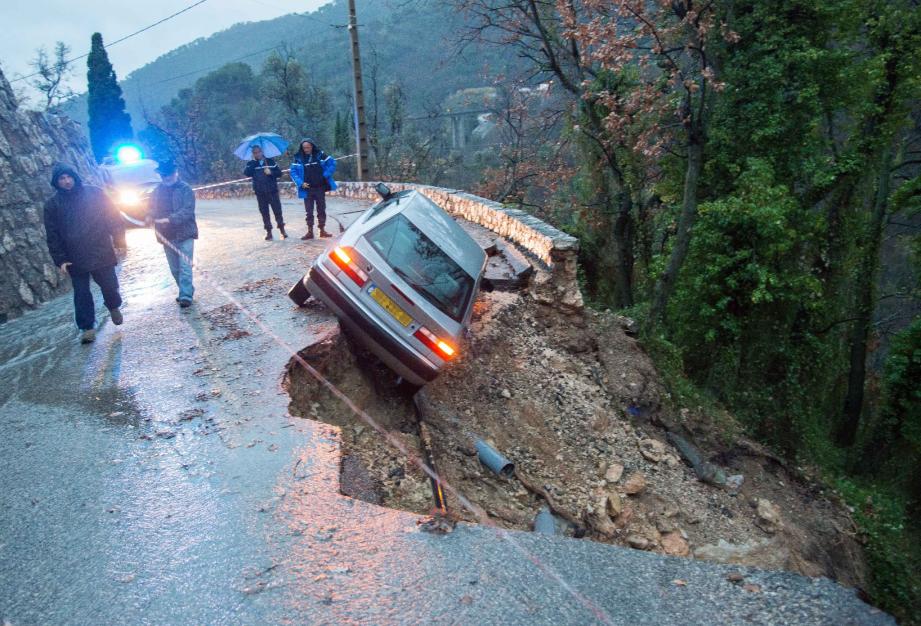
(342, 136)
(891, 442)
(745, 258)
(893, 548)
(108, 122)
(738, 311)
(785, 78)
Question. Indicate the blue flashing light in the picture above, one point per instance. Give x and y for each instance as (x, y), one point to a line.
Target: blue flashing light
(128, 154)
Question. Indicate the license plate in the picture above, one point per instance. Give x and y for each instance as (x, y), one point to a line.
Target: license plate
(390, 306)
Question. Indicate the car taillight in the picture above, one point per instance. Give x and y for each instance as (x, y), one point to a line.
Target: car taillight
(343, 259)
(436, 345)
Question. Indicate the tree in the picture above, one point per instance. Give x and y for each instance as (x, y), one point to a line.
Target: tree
(52, 75)
(304, 106)
(893, 39)
(342, 138)
(663, 49)
(546, 38)
(109, 124)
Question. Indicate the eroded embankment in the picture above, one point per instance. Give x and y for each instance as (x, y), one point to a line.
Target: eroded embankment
(578, 406)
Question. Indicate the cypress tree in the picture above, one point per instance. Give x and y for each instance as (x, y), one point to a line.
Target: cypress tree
(341, 133)
(108, 121)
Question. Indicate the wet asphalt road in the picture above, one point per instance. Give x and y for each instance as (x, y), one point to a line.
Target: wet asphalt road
(154, 477)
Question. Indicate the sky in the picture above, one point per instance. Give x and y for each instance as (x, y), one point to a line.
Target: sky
(29, 24)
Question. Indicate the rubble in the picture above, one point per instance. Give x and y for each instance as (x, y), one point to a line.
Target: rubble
(652, 449)
(613, 473)
(768, 516)
(576, 405)
(635, 484)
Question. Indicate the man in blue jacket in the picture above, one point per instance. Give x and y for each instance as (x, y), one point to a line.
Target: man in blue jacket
(172, 214)
(312, 172)
(81, 227)
(265, 174)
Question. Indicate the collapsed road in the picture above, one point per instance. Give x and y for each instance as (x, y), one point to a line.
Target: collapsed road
(156, 476)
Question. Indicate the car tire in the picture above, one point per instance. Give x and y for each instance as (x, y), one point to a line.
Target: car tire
(298, 293)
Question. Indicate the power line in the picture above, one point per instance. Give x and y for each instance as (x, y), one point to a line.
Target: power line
(117, 41)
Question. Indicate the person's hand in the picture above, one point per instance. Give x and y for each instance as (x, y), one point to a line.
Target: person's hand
(64, 266)
(162, 220)
(267, 170)
(305, 186)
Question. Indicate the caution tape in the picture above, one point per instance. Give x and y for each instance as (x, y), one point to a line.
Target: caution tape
(243, 180)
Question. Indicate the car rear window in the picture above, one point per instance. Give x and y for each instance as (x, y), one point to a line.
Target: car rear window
(423, 265)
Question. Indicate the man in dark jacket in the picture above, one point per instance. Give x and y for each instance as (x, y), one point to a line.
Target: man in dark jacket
(265, 173)
(312, 172)
(172, 213)
(81, 226)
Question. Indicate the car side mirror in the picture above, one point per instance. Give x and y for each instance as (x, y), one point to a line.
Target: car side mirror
(383, 190)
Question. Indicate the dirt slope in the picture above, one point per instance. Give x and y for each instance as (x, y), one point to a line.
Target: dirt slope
(579, 408)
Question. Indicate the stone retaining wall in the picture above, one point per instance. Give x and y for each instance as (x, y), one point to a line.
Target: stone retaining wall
(30, 143)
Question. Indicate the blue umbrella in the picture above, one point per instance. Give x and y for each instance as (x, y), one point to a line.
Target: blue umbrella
(272, 145)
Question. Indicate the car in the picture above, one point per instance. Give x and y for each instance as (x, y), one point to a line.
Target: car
(130, 185)
(402, 279)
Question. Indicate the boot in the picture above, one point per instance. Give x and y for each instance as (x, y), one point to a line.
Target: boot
(308, 234)
(88, 336)
(268, 234)
(323, 233)
(281, 229)
(117, 317)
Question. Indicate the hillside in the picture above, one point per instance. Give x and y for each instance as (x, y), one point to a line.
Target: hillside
(397, 39)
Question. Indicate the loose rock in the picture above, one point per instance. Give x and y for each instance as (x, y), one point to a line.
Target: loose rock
(635, 484)
(768, 516)
(674, 544)
(613, 473)
(614, 504)
(652, 449)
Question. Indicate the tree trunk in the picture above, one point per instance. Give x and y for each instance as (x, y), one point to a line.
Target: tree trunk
(624, 237)
(864, 305)
(666, 283)
(613, 194)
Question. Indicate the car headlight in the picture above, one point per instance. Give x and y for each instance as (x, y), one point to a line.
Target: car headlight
(129, 197)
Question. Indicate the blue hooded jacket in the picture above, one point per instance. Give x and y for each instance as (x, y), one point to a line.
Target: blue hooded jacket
(316, 159)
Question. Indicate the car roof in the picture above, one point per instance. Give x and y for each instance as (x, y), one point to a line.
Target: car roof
(138, 173)
(446, 233)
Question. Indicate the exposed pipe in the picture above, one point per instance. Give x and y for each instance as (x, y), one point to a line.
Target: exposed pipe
(544, 523)
(494, 460)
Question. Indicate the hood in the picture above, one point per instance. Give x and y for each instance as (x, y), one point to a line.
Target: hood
(316, 148)
(62, 168)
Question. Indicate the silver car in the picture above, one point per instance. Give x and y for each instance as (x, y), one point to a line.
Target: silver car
(402, 278)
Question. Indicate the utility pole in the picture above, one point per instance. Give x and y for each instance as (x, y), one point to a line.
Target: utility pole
(361, 129)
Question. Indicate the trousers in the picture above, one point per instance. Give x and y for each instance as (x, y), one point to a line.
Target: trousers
(315, 197)
(180, 265)
(84, 307)
(265, 200)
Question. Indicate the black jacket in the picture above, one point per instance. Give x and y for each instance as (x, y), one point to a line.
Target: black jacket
(81, 225)
(263, 183)
(176, 202)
